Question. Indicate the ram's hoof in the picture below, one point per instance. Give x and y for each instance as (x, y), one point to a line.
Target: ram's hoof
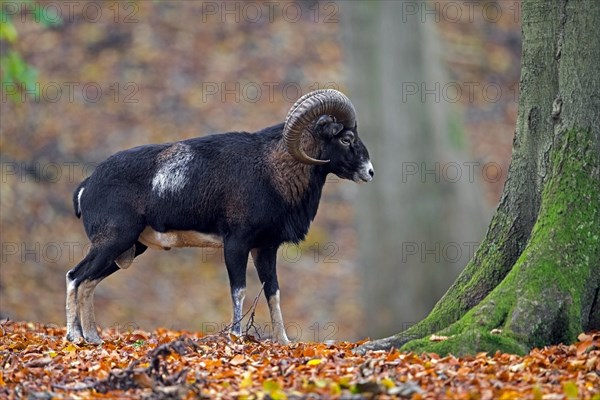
(93, 339)
(282, 340)
(75, 337)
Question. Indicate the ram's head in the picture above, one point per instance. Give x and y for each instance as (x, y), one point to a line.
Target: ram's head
(329, 116)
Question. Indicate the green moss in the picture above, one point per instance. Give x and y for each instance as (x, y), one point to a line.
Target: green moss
(470, 342)
(564, 245)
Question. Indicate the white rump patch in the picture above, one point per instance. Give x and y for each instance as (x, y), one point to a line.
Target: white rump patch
(174, 165)
(79, 200)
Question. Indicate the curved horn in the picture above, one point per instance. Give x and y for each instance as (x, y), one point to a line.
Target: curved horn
(306, 110)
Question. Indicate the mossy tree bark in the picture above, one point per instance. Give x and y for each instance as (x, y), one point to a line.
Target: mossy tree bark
(535, 278)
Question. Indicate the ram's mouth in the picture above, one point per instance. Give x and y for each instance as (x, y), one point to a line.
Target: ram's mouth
(361, 179)
(365, 174)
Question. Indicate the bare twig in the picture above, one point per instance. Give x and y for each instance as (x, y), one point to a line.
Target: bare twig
(251, 310)
(250, 323)
(78, 386)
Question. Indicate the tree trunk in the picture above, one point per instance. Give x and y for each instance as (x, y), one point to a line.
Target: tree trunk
(405, 217)
(535, 279)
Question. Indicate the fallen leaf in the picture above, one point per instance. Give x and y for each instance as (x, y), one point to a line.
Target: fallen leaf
(571, 391)
(314, 361)
(438, 338)
(246, 380)
(238, 359)
(39, 362)
(142, 380)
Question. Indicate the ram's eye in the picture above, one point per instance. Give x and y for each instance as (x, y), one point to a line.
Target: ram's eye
(347, 140)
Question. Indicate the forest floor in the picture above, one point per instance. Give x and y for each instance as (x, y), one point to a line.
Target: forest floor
(36, 362)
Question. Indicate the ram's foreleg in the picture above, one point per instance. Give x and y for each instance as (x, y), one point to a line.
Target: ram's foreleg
(236, 260)
(265, 260)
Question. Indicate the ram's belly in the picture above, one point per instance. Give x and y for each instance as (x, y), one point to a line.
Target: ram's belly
(167, 240)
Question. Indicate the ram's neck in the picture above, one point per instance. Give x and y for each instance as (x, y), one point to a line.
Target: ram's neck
(294, 180)
(300, 187)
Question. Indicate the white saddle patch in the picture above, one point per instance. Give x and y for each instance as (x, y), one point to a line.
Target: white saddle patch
(167, 240)
(173, 171)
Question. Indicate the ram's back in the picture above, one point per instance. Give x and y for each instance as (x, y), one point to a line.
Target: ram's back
(211, 184)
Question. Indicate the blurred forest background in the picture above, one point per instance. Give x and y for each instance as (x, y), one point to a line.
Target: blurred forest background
(98, 77)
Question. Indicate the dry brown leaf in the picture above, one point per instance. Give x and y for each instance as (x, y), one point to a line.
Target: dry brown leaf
(238, 359)
(143, 380)
(38, 362)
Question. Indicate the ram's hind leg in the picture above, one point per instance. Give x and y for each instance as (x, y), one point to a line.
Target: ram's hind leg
(85, 300)
(74, 331)
(85, 294)
(83, 279)
(81, 282)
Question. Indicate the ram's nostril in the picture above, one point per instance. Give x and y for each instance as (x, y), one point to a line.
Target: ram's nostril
(371, 172)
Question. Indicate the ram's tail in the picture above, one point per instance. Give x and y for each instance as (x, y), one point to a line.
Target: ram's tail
(77, 198)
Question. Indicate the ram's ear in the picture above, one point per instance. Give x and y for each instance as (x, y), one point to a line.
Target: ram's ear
(327, 127)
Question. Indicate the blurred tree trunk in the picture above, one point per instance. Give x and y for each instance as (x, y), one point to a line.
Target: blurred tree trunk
(421, 217)
(535, 279)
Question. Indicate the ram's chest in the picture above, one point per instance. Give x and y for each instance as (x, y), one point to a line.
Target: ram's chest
(167, 240)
